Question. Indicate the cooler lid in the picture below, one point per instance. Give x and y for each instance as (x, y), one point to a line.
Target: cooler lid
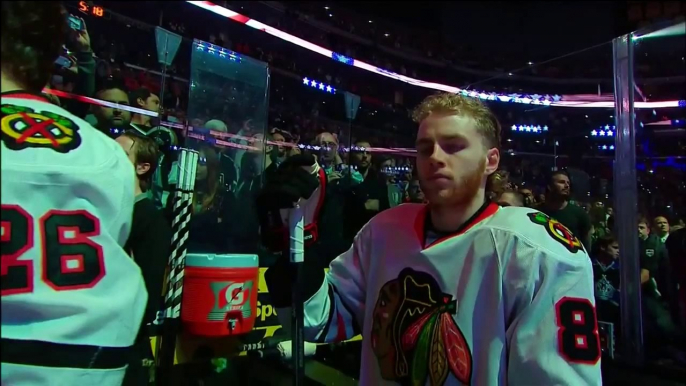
(213, 260)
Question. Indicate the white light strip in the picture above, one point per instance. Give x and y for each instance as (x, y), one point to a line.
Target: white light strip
(535, 99)
(99, 102)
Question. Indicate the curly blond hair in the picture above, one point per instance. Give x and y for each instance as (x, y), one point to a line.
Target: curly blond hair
(486, 122)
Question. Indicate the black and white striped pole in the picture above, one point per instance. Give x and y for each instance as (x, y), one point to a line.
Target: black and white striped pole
(182, 204)
(297, 251)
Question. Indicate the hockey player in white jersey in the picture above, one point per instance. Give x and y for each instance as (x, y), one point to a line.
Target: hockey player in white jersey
(458, 291)
(72, 300)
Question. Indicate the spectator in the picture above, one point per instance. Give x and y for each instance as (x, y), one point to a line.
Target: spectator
(510, 197)
(209, 230)
(529, 198)
(661, 228)
(652, 256)
(557, 206)
(328, 155)
(676, 247)
(112, 119)
(282, 151)
(606, 278)
(657, 290)
(165, 138)
(144, 99)
(149, 245)
(368, 198)
(257, 164)
(598, 217)
(414, 192)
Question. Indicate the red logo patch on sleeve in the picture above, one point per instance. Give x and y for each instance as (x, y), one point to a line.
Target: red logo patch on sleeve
(23, 127)
(557, 231)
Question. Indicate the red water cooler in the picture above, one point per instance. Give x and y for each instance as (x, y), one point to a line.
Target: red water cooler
(219, 294)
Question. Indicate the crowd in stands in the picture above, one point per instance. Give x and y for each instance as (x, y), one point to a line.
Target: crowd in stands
(368, 158)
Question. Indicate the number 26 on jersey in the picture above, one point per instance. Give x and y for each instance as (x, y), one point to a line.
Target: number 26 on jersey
(67, 257)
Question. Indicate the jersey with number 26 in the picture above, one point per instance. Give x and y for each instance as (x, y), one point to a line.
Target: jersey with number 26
(67, 202)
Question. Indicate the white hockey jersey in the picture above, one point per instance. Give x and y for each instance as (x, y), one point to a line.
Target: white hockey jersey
(508, 300)
(72, 300)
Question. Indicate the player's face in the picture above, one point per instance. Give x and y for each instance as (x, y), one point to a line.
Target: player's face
(109, 117)
(452, 160)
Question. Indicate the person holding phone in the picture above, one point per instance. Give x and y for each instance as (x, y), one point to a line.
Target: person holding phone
(78, 64)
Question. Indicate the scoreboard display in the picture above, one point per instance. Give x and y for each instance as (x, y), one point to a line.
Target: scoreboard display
(89, 8)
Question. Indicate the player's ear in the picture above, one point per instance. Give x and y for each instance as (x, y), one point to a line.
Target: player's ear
(492, 160)
(142, 168)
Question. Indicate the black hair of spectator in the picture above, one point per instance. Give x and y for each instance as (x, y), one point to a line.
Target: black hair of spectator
(603, 243)
(663, 215)
(33, 33)
(142, 93)
(556, 173)
(518, 196)
(112, 84)
(643, 220)
(146, 151)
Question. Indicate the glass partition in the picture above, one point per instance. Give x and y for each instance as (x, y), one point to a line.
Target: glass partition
(558, 115)
(227, 110)
(659, 113)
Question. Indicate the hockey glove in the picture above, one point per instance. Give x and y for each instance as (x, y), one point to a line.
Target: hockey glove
(299, 180)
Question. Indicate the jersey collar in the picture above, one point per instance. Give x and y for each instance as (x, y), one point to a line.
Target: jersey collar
(19, 94)
(423, 221)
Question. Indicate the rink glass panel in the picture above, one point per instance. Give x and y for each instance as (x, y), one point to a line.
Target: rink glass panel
(227, 113)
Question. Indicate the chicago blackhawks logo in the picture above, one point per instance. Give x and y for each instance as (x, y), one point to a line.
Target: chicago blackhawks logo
(414, 335)
(24, 127)
(557, 231)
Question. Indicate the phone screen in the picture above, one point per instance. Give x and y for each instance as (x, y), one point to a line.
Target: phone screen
(75, 23)
(64, 62)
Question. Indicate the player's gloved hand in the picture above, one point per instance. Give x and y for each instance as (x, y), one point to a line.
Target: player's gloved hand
(299, 180)
(296, 179)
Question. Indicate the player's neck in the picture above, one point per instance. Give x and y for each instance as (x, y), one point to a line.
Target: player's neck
(450, 218)
(8, 84)
(140, 119)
